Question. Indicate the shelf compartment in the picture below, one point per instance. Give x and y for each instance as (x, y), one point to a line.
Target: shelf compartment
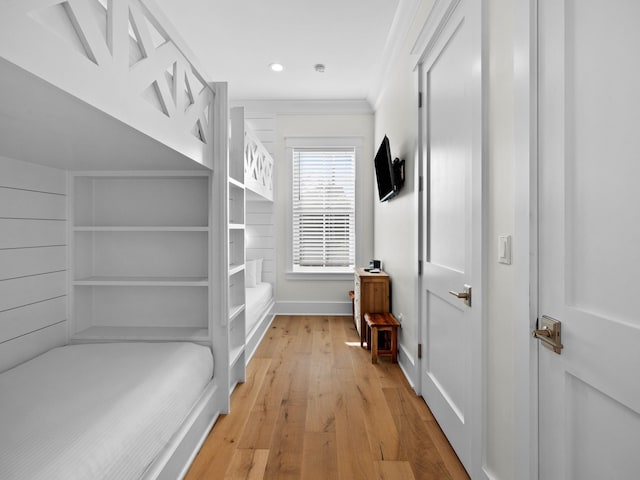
(237, 372)
(236, 248)
(235, 269)
(140, 254)
(141, 201)
(235, 182)
(143, 281)
(142, 306)
(237, 334)
(236, 290)
(236, 205)
(234, 312)
(120, 228)
(235, 355)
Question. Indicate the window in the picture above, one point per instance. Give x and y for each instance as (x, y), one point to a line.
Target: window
(323, 209)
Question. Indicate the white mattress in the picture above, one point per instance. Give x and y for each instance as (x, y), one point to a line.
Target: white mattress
(97, 411)
(256, 300)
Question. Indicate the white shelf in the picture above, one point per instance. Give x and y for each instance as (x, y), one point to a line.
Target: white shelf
(237, 183)
(143, 281)
(235, 354)
(233, 269)
(234, 311)
(236, 205)
(193, 334)
(139, 229)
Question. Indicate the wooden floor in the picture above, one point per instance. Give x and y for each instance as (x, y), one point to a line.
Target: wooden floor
(314, 407)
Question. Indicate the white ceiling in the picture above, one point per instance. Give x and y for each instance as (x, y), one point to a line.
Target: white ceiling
(236, 40)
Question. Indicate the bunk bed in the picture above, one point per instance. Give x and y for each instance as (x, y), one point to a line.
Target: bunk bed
(258, 179)
(252, 241)
(259, 305)
(112, 191)
(128, 401)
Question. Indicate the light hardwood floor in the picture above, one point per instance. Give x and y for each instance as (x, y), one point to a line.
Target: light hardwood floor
(314, 407)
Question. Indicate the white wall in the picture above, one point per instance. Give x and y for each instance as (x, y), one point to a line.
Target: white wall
(500, 278)
(33, 260)
(260, 240)
(395, 222)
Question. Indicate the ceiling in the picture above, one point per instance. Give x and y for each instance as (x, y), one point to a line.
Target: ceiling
(236, 40)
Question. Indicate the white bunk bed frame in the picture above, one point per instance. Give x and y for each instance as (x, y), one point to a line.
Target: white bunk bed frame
(256, 166)
(84, 87)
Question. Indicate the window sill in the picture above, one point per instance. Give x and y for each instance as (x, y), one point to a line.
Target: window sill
(320, 275)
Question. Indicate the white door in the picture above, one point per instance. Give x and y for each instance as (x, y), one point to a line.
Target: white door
(589, 238)
(451, 233)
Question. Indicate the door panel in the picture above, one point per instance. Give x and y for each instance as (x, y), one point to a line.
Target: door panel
(448, 124)
(589, 230)
(450, 237)
(600, 446)
(445, 355)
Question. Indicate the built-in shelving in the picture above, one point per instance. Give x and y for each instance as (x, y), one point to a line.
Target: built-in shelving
(140, 256)
(236, 250)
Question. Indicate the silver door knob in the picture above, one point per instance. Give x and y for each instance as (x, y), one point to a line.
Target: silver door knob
(549, 332)
(465, 294)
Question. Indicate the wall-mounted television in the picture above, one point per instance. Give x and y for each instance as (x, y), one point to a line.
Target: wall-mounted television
(389, 172)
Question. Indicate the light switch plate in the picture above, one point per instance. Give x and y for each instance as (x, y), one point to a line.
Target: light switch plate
(504, 249)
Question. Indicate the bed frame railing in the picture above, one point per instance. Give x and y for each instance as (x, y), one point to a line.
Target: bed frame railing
(258, 165)
(120, 56)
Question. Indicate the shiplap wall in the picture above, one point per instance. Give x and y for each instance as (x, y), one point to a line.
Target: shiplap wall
(260, 237)
(260, 215)
(33, 277)
(264, 126)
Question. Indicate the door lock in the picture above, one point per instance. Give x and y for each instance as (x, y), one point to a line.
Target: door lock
(549, 332)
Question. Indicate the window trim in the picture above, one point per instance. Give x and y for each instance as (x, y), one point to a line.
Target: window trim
(292, 143)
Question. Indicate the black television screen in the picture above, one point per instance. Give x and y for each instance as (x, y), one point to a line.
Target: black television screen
(387, 184)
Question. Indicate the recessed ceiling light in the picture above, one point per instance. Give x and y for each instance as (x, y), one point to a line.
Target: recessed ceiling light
(276, 67)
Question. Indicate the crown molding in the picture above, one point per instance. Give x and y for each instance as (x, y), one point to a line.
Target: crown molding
(405, 13)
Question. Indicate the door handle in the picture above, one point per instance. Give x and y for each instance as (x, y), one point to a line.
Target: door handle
(464, 295)
(549, 333)
(545, 332)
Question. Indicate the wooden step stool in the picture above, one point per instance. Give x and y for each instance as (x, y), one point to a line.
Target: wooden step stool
(381, 322)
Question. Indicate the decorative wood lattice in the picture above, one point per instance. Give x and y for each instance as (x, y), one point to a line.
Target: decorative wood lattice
(258, 166)
(117, 55)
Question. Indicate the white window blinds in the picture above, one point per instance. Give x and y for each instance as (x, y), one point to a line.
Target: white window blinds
(323, 207)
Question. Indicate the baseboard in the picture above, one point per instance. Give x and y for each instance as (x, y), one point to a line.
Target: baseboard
(257, 334)
(408, 366)
(488, 473)
(312, 308)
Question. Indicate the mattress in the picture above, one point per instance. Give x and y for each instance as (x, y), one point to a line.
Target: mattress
(257, 299)
(97, 411)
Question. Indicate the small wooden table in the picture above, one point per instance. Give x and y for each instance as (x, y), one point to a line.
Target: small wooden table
(381, 322)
